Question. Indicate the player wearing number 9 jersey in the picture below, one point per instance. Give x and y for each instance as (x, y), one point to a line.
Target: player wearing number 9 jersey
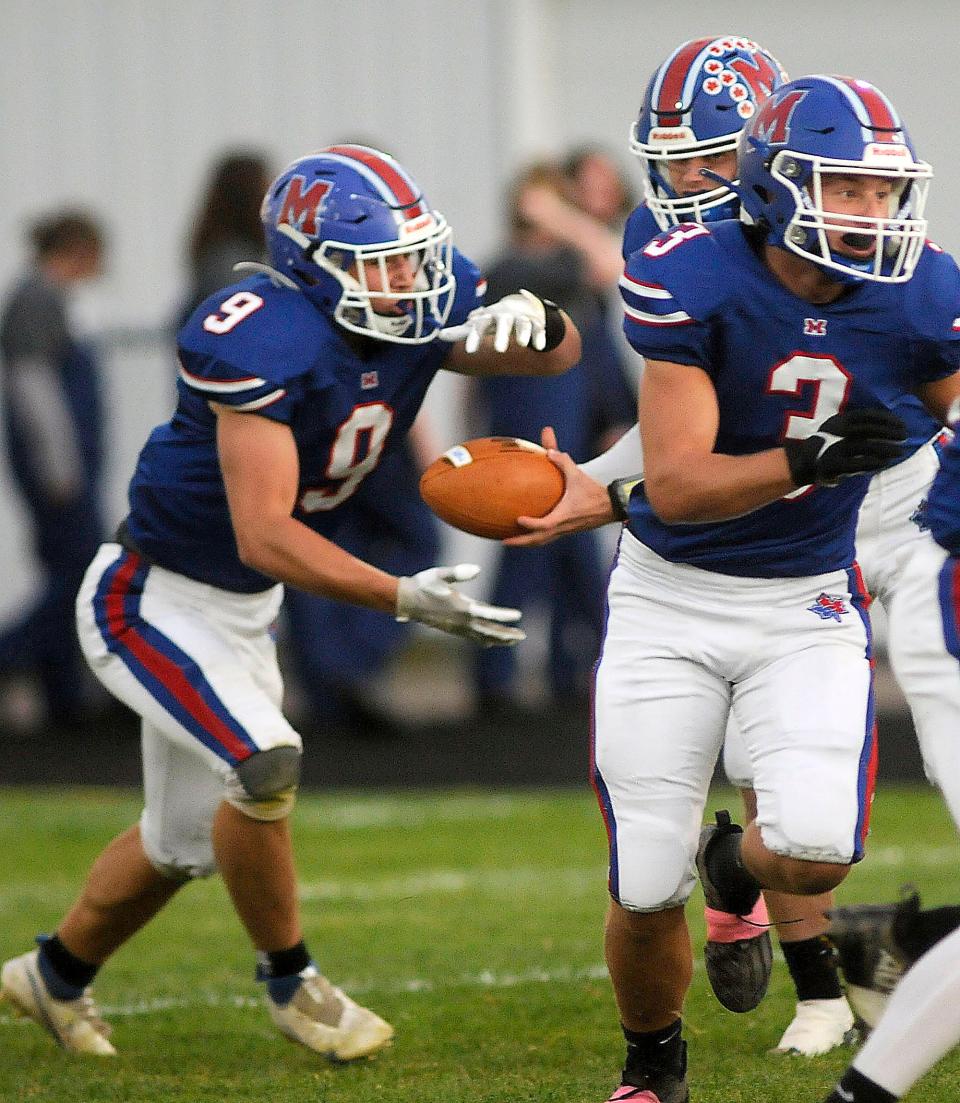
(776, 350)
(293, 384)
(261, 348)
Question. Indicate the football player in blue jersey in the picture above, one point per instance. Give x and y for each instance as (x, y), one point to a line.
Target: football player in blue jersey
(686, 157)
(293, 383)
(778, 353)
(889, 526)
(918, 1023)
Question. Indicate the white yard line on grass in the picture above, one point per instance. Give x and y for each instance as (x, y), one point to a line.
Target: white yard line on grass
(487, 979)
(428, 882)
(577, 880)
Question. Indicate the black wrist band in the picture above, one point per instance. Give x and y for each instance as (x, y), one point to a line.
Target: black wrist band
(555, 327)
(619, 492)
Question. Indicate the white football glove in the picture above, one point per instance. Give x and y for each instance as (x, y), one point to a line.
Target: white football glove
(521, 314)
(429, 598)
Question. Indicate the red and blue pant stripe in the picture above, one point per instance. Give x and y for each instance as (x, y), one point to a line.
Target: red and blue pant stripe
(169, 674)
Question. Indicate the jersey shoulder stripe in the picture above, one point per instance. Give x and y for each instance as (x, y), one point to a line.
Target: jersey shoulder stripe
(650, 304)
(240, 393)
(221, 386)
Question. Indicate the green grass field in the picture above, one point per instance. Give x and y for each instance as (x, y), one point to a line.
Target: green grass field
(471, 920)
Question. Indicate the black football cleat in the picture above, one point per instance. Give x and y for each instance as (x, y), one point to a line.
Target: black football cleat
(870, 959)
(738, 953)
(649, 1084)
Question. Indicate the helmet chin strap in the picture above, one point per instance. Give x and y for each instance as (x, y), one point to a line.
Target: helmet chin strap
(278, 279)
(393, 324)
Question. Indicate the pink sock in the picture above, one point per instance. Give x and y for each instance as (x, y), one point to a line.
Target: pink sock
(726, 927)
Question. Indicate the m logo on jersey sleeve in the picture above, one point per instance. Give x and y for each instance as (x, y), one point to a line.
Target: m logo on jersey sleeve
(301, 207)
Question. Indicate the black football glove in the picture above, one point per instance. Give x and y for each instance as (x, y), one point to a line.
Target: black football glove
(857, 442)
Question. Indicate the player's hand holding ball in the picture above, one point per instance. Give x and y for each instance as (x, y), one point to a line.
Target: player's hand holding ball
(484, 485)
(529, 321)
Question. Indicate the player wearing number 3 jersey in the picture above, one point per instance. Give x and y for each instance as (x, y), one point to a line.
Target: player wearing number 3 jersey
(777, 349)
(293, 384)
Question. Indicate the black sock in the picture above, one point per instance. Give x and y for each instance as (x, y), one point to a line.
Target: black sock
(917, 932)
(738, 888)
(73, 973)
(284, 963)
(813, 966)
(857, 1088)
(655, 1049)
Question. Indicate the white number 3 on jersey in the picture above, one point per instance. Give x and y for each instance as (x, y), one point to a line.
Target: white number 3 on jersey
(832, 384)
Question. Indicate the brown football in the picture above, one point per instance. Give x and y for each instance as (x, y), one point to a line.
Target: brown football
(482, 486)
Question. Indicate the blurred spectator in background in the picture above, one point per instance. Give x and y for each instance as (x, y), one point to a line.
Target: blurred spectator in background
(53, 417)
(588, 213)
(227, 229)
(600, 187)
(563, 252)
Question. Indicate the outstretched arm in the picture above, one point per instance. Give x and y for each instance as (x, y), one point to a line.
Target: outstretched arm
(519, 334)
(258, 458)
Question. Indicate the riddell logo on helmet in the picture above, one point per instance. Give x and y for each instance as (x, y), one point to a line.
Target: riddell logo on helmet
(300, 208)
(669, 135)
(886, 151)
(417, 225)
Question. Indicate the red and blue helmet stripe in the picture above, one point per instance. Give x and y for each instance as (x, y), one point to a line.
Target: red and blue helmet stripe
(384, 175)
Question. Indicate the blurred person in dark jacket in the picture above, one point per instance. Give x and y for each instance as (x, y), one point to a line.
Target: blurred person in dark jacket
(53, 414)
(227, 229)
(563, 253)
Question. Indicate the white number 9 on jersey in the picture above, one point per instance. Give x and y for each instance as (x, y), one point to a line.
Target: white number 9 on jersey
(233, 311)
(355, 453)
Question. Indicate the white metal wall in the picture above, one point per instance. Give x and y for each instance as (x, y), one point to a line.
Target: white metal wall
(123, 104)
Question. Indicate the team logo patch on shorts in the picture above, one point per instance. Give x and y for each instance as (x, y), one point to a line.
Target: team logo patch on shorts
(919, 516)
(829, 607)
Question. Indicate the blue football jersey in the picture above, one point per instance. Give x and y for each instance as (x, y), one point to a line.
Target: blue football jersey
(641, 226)
(702, 296)
(941, 511)
(266, 349)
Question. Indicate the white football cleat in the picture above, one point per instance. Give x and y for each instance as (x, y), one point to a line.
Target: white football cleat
(75, 1025)
(324, 1019)
(817, 1027)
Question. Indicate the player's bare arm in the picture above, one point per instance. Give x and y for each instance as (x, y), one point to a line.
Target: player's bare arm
(518, 335)
(258, 458)
(686, 481)
(940, 395)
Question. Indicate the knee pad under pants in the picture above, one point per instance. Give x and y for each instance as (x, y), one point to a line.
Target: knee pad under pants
(199, 666)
